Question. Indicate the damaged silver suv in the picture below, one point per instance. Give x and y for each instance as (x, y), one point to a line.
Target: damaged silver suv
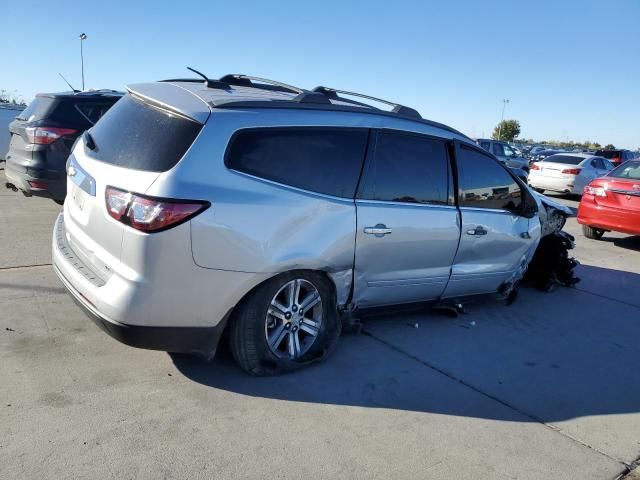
(272, 212)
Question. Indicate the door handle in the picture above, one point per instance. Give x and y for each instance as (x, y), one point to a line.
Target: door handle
(380, 230)
(479, 230)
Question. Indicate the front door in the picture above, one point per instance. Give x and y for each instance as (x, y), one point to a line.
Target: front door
(407, 224)
(496, 242)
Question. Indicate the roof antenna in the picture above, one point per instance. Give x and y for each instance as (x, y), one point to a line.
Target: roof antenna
(210, 83)
(65, 81)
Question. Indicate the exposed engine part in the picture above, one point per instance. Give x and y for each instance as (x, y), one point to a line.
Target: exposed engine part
(551, 264)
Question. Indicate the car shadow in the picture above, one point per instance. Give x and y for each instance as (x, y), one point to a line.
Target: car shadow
(629, 243)
(550, 356)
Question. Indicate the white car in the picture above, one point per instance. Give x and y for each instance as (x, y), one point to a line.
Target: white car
(567, 172)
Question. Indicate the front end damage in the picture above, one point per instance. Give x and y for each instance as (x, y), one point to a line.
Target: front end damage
(551, 264)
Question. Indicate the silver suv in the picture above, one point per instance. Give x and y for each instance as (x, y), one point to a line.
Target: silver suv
(272, 212)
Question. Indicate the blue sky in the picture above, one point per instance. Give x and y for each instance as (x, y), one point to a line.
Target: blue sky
(570, 68)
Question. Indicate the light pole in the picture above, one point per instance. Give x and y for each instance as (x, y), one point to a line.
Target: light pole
(504, 105)
(83, 36)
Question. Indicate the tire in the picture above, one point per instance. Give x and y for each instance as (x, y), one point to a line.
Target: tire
(592, 233)
(539, 190)
(256, 319)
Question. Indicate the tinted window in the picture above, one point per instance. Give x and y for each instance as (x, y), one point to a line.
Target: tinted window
(485, 145)
(610, 154)
(93, 111)
(37, 109)
(568, 159)
(497, 150)
(407, 168)
(136, 135)
(484, 183)
(629, 170)
(323, 160)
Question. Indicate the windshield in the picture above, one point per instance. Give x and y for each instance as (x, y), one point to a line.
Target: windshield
(630, 170)
(567, 159)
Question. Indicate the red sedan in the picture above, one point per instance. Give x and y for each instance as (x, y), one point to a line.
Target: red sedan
(612, 202)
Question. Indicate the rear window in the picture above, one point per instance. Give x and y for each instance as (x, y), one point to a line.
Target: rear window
(568, 159)
(318, 159)
(136, 135)
(37, 110)
(630, 170)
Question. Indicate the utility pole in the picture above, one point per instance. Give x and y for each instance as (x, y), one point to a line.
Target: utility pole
(504, 105)
(83, 37)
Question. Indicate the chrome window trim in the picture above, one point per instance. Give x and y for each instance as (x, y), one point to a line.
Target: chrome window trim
(405, 204)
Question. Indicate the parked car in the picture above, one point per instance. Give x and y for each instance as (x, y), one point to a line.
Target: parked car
(616, 157)
(8, 113)
(567, 172)
(542, 154)
(274, 212)
(612, 202)
(42, 136)
(504, 153)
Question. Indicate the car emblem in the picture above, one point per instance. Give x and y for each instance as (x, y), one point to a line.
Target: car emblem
(71, 171)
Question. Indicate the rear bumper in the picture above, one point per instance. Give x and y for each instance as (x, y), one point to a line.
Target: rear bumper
(182, 310)
(20, 175)
(563, 185)
(201, 341)
(606, 218)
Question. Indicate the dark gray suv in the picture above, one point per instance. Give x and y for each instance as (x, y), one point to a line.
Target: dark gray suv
(42, 136)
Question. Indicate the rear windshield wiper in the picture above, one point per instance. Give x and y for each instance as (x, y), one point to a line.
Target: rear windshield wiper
(88, 141)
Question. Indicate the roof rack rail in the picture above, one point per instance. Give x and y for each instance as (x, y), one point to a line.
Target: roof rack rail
(303, 96)
(396, 107)
(241, 80)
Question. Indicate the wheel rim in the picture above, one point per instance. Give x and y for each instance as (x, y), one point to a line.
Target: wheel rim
(293, 320)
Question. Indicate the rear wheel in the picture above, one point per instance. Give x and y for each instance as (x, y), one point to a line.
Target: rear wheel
(591, 232)
(287, 322)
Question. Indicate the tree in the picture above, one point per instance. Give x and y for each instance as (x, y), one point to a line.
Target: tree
(506, 130)
(610, 146)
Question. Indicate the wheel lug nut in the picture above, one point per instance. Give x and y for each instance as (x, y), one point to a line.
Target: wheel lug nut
(294, 308)
(287, 326)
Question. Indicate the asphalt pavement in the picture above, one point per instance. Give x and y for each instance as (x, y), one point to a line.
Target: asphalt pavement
(546, 388)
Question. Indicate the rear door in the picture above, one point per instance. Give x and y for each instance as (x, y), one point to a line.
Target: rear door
(407, 224)
(495, 241)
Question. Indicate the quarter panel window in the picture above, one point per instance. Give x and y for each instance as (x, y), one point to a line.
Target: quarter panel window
(322, 160)
(407, 168)
(484, 183)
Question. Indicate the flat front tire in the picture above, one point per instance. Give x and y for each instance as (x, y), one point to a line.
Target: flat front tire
(285, 323)
(592, 233)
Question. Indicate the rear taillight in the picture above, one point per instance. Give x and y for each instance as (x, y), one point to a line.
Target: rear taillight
(149, 214)
(37, 184)
(534, 167)
(595, 190)
(572, 171)
(47, 135)
(616, 160)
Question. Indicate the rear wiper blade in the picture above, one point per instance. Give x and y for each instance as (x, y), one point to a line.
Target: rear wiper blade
(88, 141)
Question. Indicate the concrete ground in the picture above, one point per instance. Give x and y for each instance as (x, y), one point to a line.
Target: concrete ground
(546, 388)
